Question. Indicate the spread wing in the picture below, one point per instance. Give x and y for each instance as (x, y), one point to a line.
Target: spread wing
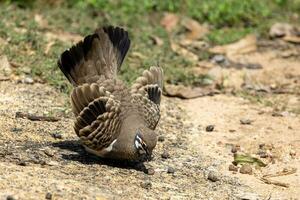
(146, 93)
(97, 115)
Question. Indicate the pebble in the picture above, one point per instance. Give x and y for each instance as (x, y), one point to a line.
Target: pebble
(57, 135)
(28, 80)
(246, 169)
(52, 163)
(233, 168)
(171, 170)
(262, 145)
(146, 185)
(48, 152)
(10, 197)
(22, 163)
(210, 128)
(48, 196)
(161, 138)
(218, 59)
(150, 171)
(246, 121)
(292, 153)
(165, 155)
(213, 176)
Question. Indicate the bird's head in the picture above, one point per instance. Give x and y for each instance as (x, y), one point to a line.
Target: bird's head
(144, 142)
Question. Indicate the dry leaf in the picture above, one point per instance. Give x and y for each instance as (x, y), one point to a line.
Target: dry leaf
(169, 21)
(40, 21)
(138, 55)
(245, 45)
(196, 30)
(188, 92)
(242, 159)
(184, 52)
(282, 29)
(292, 38)
(157, 40)
(48, 47)
(63, 36)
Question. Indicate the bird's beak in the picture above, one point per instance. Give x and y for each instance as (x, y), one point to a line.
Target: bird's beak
(145, 155)
(148, 155)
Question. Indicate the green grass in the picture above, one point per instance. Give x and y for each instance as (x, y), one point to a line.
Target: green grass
(229, 20)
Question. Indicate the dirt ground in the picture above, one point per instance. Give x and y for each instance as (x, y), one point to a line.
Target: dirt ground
(41, 160)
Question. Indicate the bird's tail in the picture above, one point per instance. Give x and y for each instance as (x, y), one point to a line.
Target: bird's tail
(98, 55)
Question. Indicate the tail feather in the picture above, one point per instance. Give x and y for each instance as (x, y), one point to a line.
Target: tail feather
(99, 54)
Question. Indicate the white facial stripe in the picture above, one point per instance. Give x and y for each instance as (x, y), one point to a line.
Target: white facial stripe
(140, 139)
(137, 144)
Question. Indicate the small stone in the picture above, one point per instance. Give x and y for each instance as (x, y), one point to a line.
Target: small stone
(292, 153)
(210, 128)
(10, 197)
(53, 163)
(276, 114)
(218, 59)
(48, 196)
(161, 138)
(28, 80)
(246, 169)
(232, 130)
(57, 135)
(150, 171)
(165, 155)
(261, 146)
(22, 163)
(233, 168)
(146, 185)
(246, 121)
(171, 170)
(213, 176)
(48, 152)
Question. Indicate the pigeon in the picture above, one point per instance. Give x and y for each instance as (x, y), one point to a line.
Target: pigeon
(112, 120)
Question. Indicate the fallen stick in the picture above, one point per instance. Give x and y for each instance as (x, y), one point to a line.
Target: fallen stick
(266, 178)
(36, 117)
(269, 181)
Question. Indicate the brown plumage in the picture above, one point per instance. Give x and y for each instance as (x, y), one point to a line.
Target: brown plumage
(112, 120)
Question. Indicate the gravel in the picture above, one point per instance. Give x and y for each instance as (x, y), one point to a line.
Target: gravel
(171, 170)
(165, 155)
(246, 169)
(213, 176)
(210, 128)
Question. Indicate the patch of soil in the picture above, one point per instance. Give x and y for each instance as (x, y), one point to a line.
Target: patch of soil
(197, 140)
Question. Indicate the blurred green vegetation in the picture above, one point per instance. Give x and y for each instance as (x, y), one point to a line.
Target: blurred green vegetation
(229, 21)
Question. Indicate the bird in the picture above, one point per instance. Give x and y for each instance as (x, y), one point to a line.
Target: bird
(112, 120)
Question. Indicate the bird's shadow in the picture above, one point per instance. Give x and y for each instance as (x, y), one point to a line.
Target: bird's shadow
(80, 155)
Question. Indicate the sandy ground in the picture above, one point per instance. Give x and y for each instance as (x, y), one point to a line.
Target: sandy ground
(41, 160)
